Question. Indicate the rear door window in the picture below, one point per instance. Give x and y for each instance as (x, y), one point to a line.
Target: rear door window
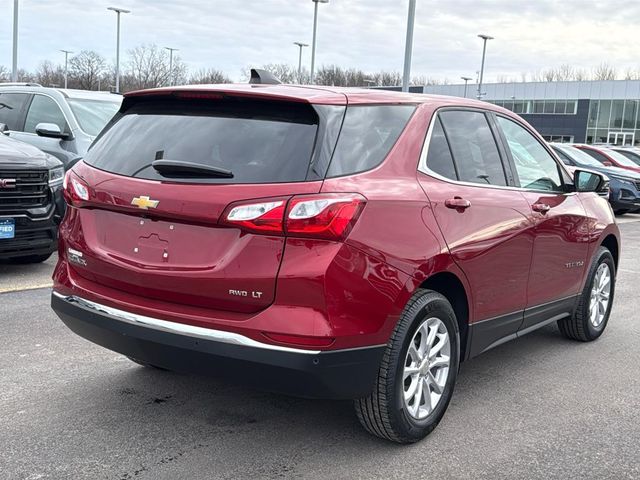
(258, 141)
(473, 146)
(367, 135)
(11, 109)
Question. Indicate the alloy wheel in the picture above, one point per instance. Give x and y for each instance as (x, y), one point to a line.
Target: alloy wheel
(426, 368)
(600, 293)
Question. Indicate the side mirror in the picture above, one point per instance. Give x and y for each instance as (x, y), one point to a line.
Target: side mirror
(607, 163)
(587, 181)
(4, 128)
(50, 130)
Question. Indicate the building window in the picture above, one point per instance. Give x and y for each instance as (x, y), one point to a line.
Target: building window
(559, 138)
(593, 114)
(550, 107)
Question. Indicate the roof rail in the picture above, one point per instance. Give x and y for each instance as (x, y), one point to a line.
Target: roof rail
(263, 77)
(19, 84)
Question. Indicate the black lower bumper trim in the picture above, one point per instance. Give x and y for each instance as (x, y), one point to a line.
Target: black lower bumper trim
(342, 374)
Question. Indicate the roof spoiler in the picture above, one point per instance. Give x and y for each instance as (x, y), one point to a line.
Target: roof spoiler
(263, 77)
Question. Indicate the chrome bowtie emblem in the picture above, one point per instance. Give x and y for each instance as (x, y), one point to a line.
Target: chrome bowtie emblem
(144, 202)
(7, 183)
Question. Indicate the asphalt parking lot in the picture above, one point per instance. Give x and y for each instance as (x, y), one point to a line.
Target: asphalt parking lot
(538, 407)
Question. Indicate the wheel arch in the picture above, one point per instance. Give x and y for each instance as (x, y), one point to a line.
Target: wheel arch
(449, 285)
(610, 242)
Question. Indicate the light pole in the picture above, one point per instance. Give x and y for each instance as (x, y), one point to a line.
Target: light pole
(171, 50)
(66, 63)
(14, 70)
(315, 29)
(484, 51)
(466, 80)
(301, 46)
(408, 48)
(118, 12)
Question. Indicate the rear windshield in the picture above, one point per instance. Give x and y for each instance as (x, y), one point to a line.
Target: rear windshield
(258, 141)
(93, 115)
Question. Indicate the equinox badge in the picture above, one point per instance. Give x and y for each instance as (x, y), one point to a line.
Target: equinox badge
(144, 202)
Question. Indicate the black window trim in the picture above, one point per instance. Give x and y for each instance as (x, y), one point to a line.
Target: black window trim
(446, 139)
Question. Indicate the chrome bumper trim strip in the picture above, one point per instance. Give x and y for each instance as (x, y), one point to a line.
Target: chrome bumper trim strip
(179, 328)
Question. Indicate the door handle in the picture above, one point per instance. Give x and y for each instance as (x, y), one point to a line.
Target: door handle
(457, 203)
(540, 207)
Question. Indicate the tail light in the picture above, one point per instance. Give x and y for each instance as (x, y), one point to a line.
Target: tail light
(260, 217)
(329, 216)
(75, 190)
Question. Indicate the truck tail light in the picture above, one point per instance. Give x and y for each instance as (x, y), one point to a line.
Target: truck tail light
(328, 216)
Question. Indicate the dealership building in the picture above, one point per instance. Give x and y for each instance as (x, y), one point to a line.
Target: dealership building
(582, 112)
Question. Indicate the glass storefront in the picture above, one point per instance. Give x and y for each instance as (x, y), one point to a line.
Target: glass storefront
(614, 121)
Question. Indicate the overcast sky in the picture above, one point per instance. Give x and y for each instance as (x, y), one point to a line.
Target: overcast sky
(366, 34)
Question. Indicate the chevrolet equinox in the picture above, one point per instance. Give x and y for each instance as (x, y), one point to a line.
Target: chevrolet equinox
(329, 243)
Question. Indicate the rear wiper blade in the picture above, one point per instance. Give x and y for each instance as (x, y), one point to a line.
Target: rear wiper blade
(180, 168)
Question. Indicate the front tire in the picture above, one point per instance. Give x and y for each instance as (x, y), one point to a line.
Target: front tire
(592, 313)
(417, 373)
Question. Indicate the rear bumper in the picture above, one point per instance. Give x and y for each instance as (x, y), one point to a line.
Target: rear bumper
(338, 374)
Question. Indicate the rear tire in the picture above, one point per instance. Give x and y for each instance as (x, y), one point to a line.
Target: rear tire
(594, 307)
(413, 373)
(621, 212)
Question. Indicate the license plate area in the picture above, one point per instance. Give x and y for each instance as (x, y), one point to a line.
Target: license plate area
(7, 228)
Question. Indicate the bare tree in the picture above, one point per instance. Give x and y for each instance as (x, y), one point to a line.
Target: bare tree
(85, 69)
(423, 80)
(565, 72)
(604, 71)
(208, 76)
(5, 74)
(632, 74)
(330, 75)
(580, 75)
(148, 67)
(49, 74)
(549, 75)
(420, 80)
(388, 78)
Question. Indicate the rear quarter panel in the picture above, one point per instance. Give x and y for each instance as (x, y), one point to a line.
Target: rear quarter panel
(397, 226)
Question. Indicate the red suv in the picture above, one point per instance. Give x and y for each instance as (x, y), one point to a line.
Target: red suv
(334, 243)
(609, 157)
